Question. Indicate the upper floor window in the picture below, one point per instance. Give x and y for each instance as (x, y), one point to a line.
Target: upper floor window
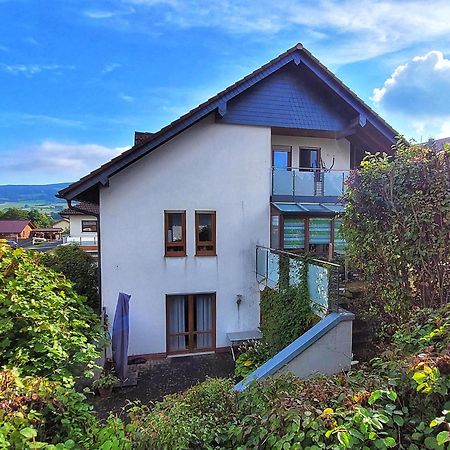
(281, 156)
(205, 233)
(175, 233)
(89, 226)
(309, 158)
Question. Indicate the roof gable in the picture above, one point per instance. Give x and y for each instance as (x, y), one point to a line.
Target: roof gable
(288, 98)
(14, 226)
(87, 187)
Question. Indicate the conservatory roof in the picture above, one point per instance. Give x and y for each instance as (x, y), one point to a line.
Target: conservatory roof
(309, 208)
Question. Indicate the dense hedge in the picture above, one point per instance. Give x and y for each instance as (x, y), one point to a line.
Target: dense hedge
(48, 337)
(79, 267)
(397, 227)
(46, 328)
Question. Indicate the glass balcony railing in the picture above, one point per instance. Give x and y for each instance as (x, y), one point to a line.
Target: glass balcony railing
(297, 181)
(277, 267)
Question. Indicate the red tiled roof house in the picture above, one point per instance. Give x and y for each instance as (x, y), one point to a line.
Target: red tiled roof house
(15, 229)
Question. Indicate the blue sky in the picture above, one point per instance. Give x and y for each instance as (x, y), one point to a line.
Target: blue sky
(78, 77)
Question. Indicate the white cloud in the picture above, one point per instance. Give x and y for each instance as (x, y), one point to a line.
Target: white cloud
(126, 98)
(52, 161)
(99, 14)
(33, 119)
(33, 69)
(420, 91)
(110, 67)
(366, 28)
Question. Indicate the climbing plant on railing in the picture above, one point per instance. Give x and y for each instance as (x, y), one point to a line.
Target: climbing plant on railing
(397, 225)
(286, 311)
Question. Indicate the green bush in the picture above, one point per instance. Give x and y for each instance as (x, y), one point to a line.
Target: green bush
(252, 355)
(285, 315)
(35, 412)
(79, 267)
(46, 328)
(194, 419)
(396, 224)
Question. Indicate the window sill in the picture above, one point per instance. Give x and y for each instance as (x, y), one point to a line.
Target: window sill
(201, 255)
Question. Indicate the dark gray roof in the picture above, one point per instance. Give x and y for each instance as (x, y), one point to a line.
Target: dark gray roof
(439, 143)
(82, 208)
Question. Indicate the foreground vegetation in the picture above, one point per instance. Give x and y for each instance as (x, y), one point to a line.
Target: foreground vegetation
(49, 337)
(397, 225)
(399, 400)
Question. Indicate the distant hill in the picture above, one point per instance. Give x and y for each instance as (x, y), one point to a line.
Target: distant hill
(32, 195)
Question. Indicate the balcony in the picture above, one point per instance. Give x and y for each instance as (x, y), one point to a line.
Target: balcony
(88, 241)
(308, 184)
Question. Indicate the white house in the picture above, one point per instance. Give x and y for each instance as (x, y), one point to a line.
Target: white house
(82, 226)
(63, 224)
(181, 212)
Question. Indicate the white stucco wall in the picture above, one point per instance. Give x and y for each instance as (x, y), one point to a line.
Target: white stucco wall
(339, 149)
(330, 354)
(75, 225)
(225, 168)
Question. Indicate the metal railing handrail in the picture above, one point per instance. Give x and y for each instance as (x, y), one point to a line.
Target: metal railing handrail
(310, 169)
(295, 255)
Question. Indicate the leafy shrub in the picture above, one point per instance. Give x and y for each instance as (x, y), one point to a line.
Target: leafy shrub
(399, 400)
(252, 355)
(105, 381)
(46, 328)
(286, 311)
(194, 419)
(396, 224)
(79, 267)
(35, 411)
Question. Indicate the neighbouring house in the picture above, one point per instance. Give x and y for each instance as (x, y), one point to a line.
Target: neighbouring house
(62, 223)
(82, 226)
(15, 230)
(438, 144)
(181, 213)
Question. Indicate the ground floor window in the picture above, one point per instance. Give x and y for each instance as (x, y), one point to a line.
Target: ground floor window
(317, 235)
(320, 235)
(191, 323)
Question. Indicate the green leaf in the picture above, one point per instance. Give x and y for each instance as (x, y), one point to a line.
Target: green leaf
(443, 437)
(392, 395)
(398, 420)
(374, 397)
(390, 442)
(28, 432)
(431, 442)
(344, 438)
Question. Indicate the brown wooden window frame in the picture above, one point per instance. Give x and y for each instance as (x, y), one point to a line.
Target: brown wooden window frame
(191, 333)
(89, 231)
(212, 243)
(168, 245)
